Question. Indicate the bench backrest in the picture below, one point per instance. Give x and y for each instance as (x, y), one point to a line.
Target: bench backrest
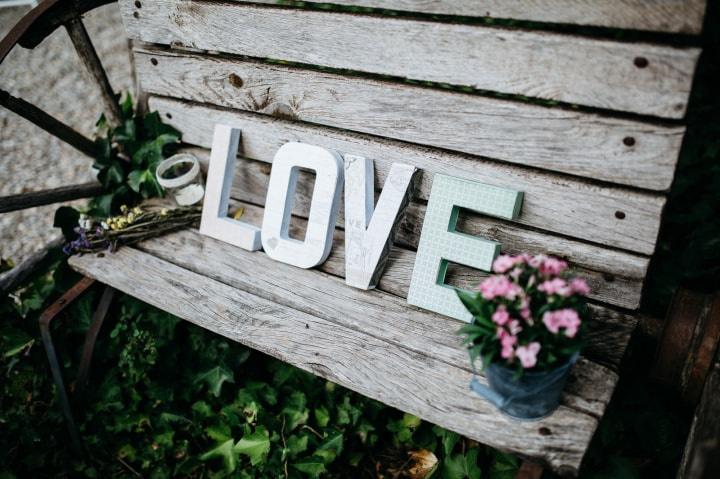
(576, 123)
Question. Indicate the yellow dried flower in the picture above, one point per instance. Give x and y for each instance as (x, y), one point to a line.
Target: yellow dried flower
(137, 210)
(163, 212)
(123, 209)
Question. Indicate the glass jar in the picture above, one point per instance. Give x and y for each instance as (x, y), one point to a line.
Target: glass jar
(181, 177)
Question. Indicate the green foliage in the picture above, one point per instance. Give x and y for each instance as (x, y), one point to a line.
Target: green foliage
(128, 155)
(167, 399)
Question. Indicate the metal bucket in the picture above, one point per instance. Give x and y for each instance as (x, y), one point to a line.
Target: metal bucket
(533, 396)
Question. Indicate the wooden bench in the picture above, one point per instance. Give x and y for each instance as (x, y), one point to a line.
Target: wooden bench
(585, 126)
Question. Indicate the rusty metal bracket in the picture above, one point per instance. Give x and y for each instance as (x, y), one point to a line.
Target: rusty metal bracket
(45, 318)
(91, 336)
(88, 346)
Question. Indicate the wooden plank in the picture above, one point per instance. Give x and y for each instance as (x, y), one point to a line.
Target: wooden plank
(421, 385)
(636, 77)
(571, 142)
(567, 206)
(610, 331)
(615, 277)
(672, 16)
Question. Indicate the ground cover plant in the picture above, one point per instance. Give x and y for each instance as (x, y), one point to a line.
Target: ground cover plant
(169, 399)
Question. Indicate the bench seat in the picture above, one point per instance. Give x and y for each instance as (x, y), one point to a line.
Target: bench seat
(381, 347)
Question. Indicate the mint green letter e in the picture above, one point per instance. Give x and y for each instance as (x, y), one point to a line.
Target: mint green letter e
(441, 244)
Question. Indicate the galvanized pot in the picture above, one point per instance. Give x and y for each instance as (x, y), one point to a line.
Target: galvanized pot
(533, 396)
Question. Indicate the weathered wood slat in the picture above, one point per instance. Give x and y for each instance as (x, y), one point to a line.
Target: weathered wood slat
(610, 331)
(31, 199)
(641, 78)
(567, 206)
(615, 277)
(421, 385)
(673, 16)
(566, 141)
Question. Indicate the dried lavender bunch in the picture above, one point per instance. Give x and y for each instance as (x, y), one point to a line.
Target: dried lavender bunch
(131, 226)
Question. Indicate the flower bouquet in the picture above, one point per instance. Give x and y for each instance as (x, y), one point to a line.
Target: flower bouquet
(527, 329)
(132, 226)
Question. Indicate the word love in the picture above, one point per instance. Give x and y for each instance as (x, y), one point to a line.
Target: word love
(369, 228)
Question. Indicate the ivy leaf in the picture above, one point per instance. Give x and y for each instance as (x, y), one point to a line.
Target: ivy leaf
(66, 218)
(295, 445)
(14, 341)
(404, 428)
(462, 466)
(135, 179)
(154, 126)
(103, 151)
(101, 122)
(331, 448)
(295, 411)
(150, 187)
(312, 466)
(125, 132)
(215, 378)
(224, 451)
(347, 413)
(202, 409)
(126, 106)
(111, 175)
(504, 466)
(219, 432)
(256, 446)
(448, 439)
(322, 416)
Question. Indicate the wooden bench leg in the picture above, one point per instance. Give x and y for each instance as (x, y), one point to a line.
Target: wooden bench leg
(529, 470)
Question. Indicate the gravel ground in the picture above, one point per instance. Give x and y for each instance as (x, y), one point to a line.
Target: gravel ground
(51, 77)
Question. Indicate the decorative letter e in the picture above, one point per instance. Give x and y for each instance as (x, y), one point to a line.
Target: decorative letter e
(441, 243)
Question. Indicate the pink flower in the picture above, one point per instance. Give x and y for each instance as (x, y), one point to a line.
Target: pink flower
(503, 263)
(579, 286)
(499, 286)
(555, 286)
(501, 316)
(528, 354)
(514, 327)
(552, 266)
(536, 261)
(562, 318)
(507, 341)
(526, 315)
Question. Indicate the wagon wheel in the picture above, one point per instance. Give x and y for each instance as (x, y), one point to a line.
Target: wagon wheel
(28, 33)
